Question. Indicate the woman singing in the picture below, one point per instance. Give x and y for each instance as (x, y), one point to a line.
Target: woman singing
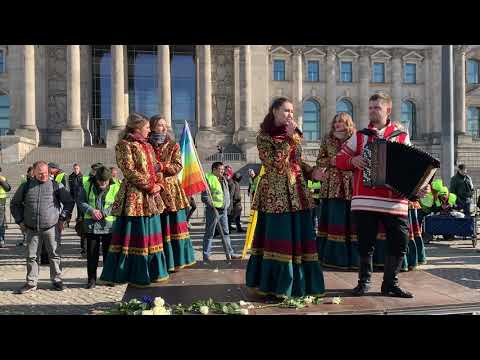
(284, 259)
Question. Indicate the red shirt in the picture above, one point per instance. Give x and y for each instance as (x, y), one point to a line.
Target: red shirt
(379, 199)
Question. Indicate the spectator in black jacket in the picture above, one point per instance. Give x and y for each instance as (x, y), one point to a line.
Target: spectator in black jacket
(461, 185)
(75, 184)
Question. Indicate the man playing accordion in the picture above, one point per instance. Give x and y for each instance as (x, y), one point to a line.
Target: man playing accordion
(373, 204)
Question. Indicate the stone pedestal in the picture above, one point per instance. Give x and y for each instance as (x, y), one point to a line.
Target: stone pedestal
(72, 138)
(206, 141)
(246, 139)
(30, 133)
(112, 137)
(15, 148)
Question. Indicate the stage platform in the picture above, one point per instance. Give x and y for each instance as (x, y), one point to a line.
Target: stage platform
(433, 294)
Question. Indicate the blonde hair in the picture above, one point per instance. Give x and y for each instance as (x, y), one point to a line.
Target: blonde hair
(134, 121)
(349, 124)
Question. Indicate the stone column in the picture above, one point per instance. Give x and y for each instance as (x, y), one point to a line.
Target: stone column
(396, 85)
(72, 135)
(125, 82)
(298, 86)
(205, 78)
(460, 118)
(28, 127)
(427, 128)
(331, 90)
(164, 83)
(247, 89)
(364, 77)
(118, 96)
(237, 91)
(206, 139)
(436, 91)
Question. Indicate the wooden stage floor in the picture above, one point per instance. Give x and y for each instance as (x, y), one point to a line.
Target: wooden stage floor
(432, 293)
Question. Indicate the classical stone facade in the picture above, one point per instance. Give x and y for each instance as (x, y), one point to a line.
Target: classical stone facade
(50, 92)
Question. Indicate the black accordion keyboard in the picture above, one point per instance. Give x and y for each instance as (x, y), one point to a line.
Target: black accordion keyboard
(402, 168)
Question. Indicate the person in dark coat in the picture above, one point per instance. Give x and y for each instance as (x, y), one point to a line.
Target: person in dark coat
(235, 209)
(75, 183)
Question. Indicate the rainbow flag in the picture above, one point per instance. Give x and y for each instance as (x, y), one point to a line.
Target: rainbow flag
(191, 176)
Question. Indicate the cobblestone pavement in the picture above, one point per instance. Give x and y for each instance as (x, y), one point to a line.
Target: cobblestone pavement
(454, 260)
(75, 299)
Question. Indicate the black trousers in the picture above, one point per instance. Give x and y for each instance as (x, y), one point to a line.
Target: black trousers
(193, 207)
(236, 220)
(396, 228)
(93, 249)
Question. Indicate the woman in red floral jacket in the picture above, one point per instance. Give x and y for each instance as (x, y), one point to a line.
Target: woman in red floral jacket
(177, 244)
(136, 252)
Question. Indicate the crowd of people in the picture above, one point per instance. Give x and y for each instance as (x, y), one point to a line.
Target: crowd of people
(308, 216)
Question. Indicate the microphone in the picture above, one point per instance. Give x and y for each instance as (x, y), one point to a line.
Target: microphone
(299, 131)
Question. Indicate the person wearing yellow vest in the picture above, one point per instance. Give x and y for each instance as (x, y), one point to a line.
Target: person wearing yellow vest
(79, 222)
(96, 198)
(314, 188)
(221, 201)
(57, 175)
(115, 178)
(4, 188)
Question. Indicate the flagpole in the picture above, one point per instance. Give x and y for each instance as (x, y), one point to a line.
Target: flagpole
(217, 216)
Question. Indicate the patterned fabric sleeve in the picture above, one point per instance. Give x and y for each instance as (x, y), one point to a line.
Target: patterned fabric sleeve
(323, 160)
(273, 154)
(127, 165)
(175, 165)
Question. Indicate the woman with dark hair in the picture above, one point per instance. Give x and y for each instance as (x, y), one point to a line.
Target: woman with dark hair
(284, 259)
(176, 237)
(136, 252)
(337, 245)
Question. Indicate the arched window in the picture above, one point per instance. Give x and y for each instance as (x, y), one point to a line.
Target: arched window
(345, 106)
(4, 114)
(473, 118)
(311, 120)
(408, 118)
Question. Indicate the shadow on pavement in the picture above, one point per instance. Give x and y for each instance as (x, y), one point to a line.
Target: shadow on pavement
(62, 309)
(466, 277)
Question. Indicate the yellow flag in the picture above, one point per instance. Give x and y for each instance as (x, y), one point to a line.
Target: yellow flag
(252, 221)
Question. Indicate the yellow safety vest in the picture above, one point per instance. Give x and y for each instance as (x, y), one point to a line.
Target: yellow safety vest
(312, 186)
(216, 190)
(59, 177)
(109, 199)
(3, 193)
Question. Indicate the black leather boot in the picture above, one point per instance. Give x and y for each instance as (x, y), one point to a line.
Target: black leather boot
(364, 276)
(390, 287)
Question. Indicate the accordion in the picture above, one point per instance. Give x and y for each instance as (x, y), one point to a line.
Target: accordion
(402, 168)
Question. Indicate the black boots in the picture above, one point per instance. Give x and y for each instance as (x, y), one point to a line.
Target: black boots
(390, 287)
(364, 276)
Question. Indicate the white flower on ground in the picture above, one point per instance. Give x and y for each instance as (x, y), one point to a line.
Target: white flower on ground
(251, 307)
(204, 310)
(147, 312)
(160, 310)
(244, 303)
(216, 270)
(243, 312)
(337, 300)
(308, 299)
(158, 301)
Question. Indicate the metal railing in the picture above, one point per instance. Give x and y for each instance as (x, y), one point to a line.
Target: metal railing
(198, 215)
(226, 157)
